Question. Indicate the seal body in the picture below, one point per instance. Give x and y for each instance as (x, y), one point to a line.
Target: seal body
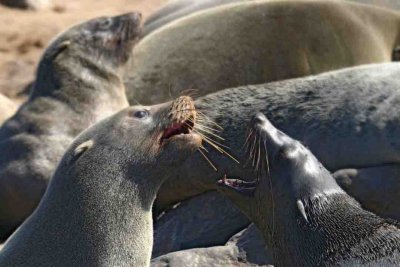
(78, 83)
(177, 9)
(222, 47)
(97, 208)
(305, 217)
(392, 4)
(7, 108)
(341, 116)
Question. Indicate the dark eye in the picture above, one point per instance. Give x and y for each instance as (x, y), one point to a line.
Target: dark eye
(105, 23)
(141, 114)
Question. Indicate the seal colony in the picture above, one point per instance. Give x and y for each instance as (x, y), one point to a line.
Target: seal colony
(345, 115)
(222, 47)
(304, 216)
(78, 83)
(97, 209)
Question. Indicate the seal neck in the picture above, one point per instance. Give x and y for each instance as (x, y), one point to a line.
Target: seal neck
(75, 76)
(319, 230)
(97, 217)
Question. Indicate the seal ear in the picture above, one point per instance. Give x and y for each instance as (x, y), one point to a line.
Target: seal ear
(60, 48)
(79, 150)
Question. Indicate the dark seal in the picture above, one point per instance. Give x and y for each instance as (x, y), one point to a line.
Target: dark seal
(341, 116)
(97, 209)
(78, 83)
(305, 217)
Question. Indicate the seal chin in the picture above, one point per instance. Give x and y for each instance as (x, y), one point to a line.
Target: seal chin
(239, 186)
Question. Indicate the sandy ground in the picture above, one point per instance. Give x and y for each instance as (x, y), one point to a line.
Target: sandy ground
(25, 34)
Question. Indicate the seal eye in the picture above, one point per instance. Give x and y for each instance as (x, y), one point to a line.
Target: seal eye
(141, 114)
(105, 23)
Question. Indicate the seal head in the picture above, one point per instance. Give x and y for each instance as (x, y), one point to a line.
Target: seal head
(97, 208)
(300, 209)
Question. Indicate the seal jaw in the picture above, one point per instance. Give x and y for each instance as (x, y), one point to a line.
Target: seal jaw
(177, 129)
(182, 117)
(242, 187)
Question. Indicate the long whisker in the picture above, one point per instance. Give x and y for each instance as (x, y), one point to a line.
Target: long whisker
(212, 165)
(208, 128)
(209, 120)
(219, 149)
(202, 147)
(199, 128)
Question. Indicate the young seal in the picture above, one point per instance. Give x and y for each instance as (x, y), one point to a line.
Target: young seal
(177, 9)
(7, 108)
(222, 47)
(97, 208)
(303, 214)
(78, 83)
(347, 118)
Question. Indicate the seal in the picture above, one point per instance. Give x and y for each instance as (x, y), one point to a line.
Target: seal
(7, 108)
(177, 9)
(222, 47)
(341, 116)
(78, 83)
(303, 214)
(97, 209)
(392, 4)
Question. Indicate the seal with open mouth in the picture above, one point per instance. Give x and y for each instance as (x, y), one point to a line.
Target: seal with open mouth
(304, 216)
(97, 208)
(78, 83)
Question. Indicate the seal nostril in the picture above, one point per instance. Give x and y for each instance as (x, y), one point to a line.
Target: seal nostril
(259, 118)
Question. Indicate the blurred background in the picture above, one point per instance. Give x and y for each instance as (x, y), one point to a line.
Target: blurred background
(26, 30)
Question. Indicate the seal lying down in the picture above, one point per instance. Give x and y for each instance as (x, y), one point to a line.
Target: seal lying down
(304, 216)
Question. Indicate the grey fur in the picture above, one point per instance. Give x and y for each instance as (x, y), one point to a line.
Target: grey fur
(177, 9)
(347, 118)
(97, 208)
(78, 83)
(328, 228)
(256, 42)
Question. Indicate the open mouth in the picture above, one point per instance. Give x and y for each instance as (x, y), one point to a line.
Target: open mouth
(240, 186)
(177, 130)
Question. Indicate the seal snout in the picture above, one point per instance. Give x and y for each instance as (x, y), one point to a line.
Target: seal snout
(181, 119)
(130, 25)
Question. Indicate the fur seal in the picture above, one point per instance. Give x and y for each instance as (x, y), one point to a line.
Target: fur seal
(303, 214)
(7, 108)
(392, 4)
(222, 47)
(78, 83)
(347, 118)
(97, 208)
(177, 9)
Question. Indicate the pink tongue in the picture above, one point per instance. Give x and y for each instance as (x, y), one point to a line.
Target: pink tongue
(171, 130)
